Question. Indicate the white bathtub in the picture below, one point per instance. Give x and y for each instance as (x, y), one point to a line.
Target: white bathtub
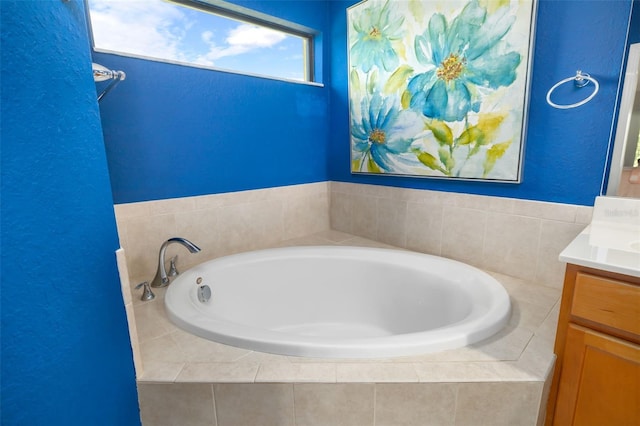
(339, 302)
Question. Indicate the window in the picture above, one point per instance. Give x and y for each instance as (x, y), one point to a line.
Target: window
(208, 34)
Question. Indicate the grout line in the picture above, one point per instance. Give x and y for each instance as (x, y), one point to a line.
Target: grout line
(215, 409)
(455, 403)
(375, 401)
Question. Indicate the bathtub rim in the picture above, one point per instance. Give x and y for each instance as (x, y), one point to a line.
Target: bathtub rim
(456, 335)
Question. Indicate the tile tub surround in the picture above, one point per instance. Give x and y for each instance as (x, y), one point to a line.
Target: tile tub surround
(521, 238)
(220, 224)
(500, 381)
(517, 239)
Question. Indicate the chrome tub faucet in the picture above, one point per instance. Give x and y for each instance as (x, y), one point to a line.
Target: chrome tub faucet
(162, 279)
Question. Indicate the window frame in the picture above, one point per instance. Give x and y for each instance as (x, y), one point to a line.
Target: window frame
(237, 13)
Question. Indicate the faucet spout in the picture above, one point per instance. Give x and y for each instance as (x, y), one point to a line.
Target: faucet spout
(161, 279)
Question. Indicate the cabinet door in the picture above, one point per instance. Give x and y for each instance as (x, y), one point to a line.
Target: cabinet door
(600, 380)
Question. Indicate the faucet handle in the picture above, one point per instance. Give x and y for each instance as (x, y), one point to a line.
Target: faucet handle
(147, 294)
(173, 270)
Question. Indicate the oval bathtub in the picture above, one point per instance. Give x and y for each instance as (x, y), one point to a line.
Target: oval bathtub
(339, 302)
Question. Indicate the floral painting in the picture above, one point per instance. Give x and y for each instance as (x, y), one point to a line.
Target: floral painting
(439, 88)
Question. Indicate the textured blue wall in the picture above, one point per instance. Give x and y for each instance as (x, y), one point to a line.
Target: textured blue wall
(565, 149)
(66, 356)
(175, 131)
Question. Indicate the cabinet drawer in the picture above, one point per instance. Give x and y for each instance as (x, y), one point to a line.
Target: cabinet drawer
(606, 301)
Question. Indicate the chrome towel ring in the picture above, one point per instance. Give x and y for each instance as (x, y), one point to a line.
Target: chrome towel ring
(580, 80)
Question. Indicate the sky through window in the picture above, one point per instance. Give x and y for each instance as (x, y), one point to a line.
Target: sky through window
(166, 31)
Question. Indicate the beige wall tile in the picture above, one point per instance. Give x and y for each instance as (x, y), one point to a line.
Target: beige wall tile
(151, 322)
(133, 337)
(334, 404)
(463, 233)
(546, 210)
(502, 205)
(123, 273)
(162, 350)
(584, 214)
(498, 404)
(364, 217)
(197, 349)
(470, 201)
(342, 187)
(173, 205)
(448, 372)
(527, 315)
(391, 221)
(160, 372)
(250, 226)
(420, 404)
(547, 329)
(378, 372)
(424, 227)
(202, 228)
(506, 345)
(144, 236)
(296, 372)
(340, 211)
(554, 237)
(306, 214)
(129, 210)
(218, 372)
(521, 289)
(334, 236)
(176, 404)
(511, 245)
(258, 404)
(537, 358)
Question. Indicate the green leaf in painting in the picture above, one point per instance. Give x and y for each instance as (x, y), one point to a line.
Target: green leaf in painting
(494, 154)
(354, 78)
(470, 135)
(441, 132)
(372, 167)
(489, 124)
(399, 48)
(372, 81)
(398, 78)
(446, 159)
(415, 6)
(493, 6)
(430, 161)
(405, 99)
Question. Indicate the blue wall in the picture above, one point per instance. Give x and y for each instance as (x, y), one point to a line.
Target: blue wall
(175, 131)
(565, 149)
(634, 26)
(66, 356)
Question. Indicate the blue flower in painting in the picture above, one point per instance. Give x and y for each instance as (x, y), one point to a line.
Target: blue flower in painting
(382, 135)
(462, 58)
(375, 32)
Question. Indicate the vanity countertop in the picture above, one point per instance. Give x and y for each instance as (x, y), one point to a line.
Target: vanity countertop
(612, 241)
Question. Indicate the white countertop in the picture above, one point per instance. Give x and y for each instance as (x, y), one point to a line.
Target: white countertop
(612, 241)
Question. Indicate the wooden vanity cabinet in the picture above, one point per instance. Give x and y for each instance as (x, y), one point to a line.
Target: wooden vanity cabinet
(596, 379)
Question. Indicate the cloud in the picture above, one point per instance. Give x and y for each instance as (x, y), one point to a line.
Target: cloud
(146, 28)
(241, 39)
(251, 36)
